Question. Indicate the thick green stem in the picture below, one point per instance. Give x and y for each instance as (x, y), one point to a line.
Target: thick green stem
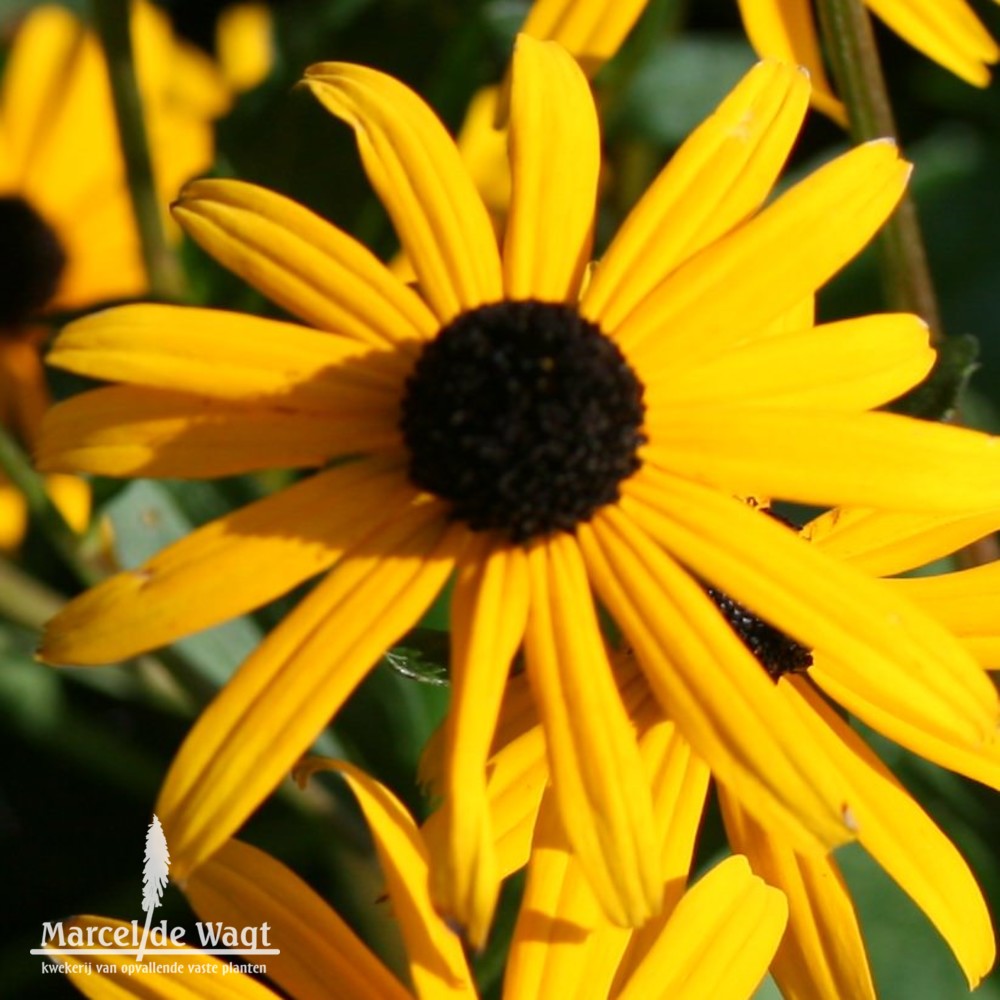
(23, 599)
(162, 268)
(850, 44)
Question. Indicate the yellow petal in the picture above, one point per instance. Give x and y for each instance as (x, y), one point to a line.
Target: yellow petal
(865, 363)
(720, 175)
(904, 841)
(965, 603)
(785, 30)
(555, 157)
(563, 944)
(822, 955)
(242, 886)
(284, 694)
(597, 774)
(591, 30)
(827, 458)
(116, 976)
(302, 263)
(883, 542)
(679, 778)
(724, 705)
(718, 943)
(946, 30)
(125, 431)
(437, 963)
(743, 281)
(230, 566)
(418, 174)
(488, 614)
(231, 356)
(883, 649)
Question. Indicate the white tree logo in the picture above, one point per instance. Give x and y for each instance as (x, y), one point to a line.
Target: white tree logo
(154, 876)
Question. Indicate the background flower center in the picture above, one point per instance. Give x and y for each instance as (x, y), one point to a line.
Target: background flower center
(33, 261)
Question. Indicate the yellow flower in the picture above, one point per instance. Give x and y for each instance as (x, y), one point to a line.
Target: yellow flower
(532, 438)
(716, 944)
(66, 228)
(945, 30)
(244, 44)
(822, 955)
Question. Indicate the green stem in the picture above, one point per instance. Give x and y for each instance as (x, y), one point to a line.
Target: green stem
(23, 599)
(850, 44)
(162, 268)
(16, 466)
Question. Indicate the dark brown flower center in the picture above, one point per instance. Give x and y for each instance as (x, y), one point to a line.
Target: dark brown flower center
(524, 416)
(33, 261)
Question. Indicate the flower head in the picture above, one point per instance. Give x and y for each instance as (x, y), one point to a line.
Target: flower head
(689, 354)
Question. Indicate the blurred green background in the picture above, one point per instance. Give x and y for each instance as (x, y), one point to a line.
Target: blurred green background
(84, 752)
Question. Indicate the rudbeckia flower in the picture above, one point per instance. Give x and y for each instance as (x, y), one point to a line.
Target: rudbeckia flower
(67, 235)
(822, 955)
(538, 439)
(945, 30)
(716, 944)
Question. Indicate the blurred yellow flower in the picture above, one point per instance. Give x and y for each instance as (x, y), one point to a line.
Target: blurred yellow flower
(67, 235)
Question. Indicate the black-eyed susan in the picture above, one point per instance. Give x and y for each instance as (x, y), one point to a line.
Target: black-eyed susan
(531, 437)
(67, 235)
(947, 31)
(717, 944)
(822, 955)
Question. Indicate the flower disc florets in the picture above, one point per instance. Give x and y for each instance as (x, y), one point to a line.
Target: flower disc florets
(33, 261)
(524, 416)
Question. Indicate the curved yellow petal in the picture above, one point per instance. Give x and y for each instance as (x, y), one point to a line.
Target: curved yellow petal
(720, 175)
(822, 955)
(230, 566)
(824, 457)
(488, 615)
(284, 694)
(746, 279)
(724, 704)
(126, 431)
(111, 975)
(437, 963)
(592, 30)
(597, 775)
(555, 160)
(883, 542)
(231, 356)
(24, 392)
(71, 495)
(786, 30)
(242, 886)
(855, 364)
(718, 943)
(883, 648)
(965, 602)
(945, 30)
(302, 263)
(418, 174)
(563, 944)
(902, 838)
